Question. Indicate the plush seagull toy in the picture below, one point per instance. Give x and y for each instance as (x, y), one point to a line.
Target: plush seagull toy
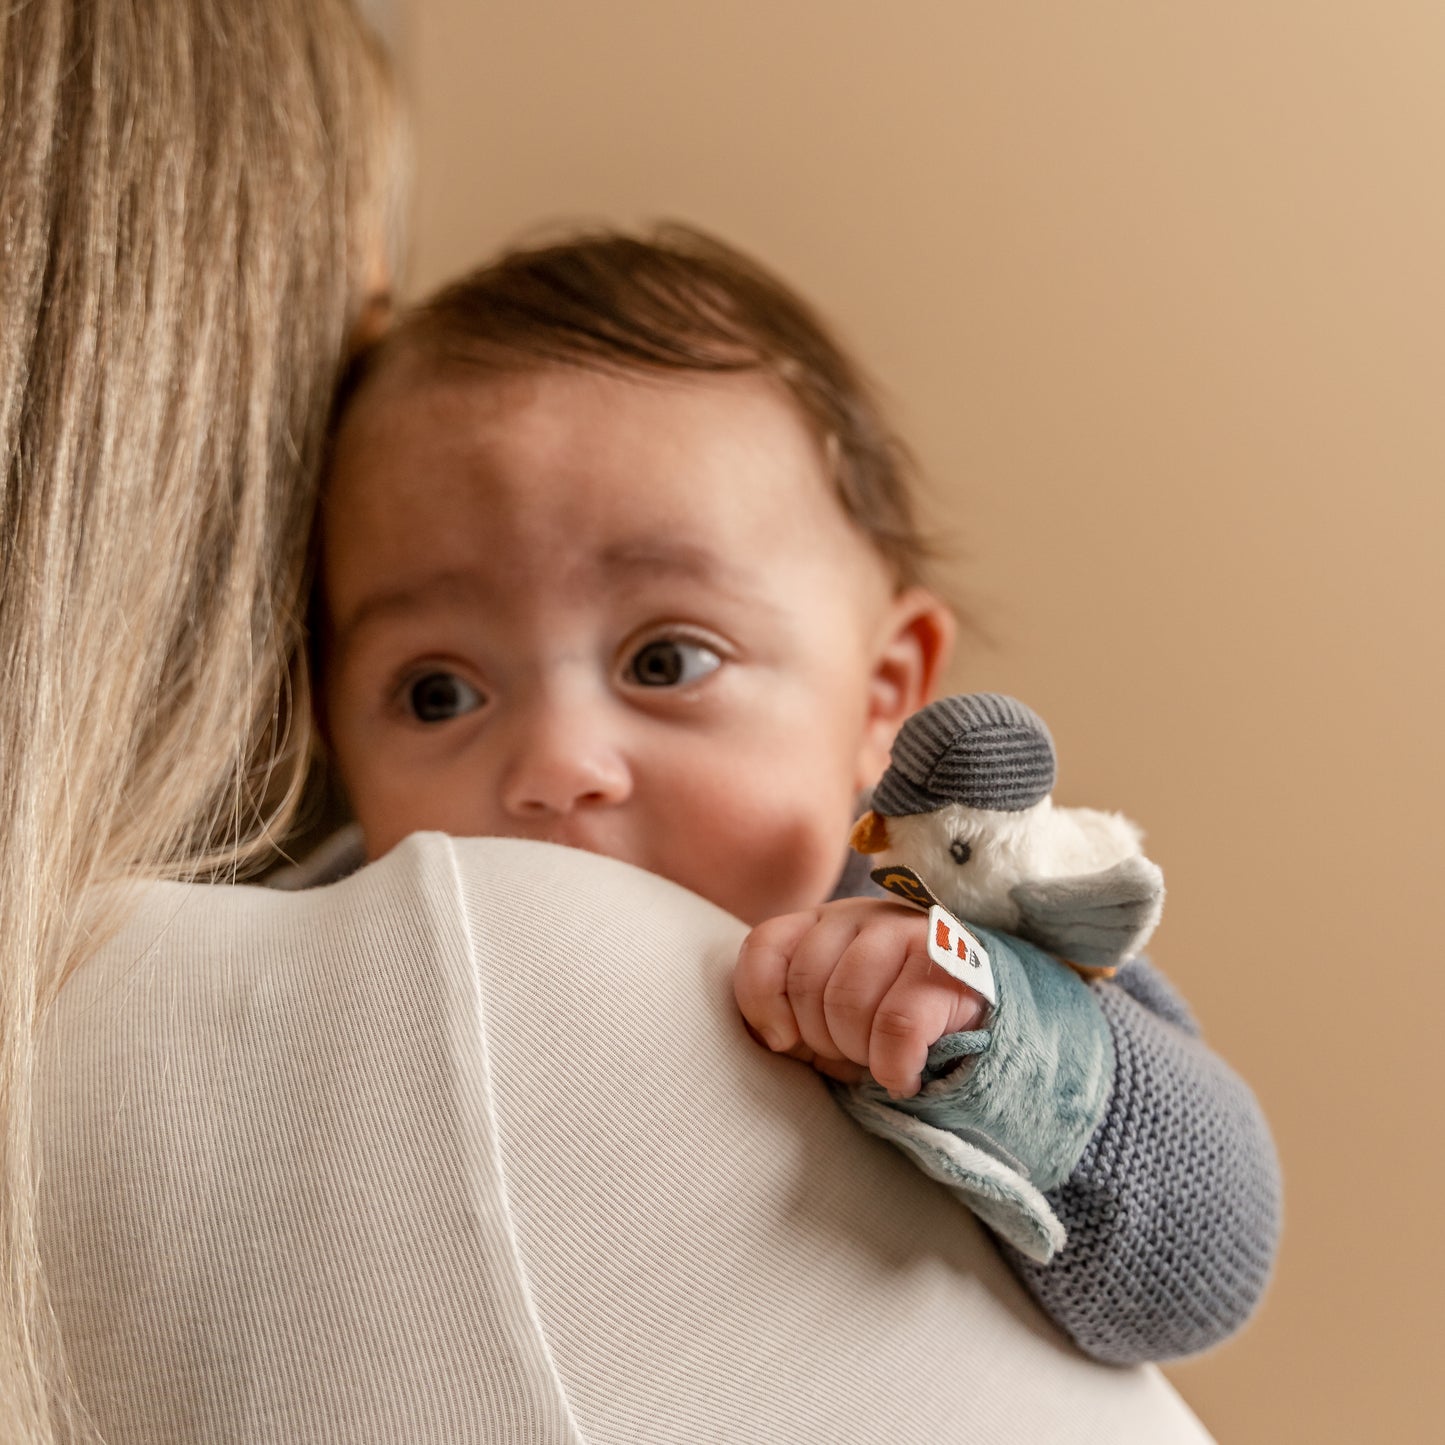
(966, 805)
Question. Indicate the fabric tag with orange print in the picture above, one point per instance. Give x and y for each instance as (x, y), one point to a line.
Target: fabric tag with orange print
(950, 945)
(956, 951)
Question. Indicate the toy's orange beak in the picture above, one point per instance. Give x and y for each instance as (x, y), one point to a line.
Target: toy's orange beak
(870, 834)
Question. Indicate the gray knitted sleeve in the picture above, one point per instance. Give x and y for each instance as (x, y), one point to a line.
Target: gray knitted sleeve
(1173, 1212)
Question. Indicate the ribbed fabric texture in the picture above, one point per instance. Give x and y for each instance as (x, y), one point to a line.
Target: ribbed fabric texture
(1173, 1213)
(274, 1206)
(473, 1147)
(981, 749)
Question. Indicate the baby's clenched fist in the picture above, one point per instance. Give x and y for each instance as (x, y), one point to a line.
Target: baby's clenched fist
(849, 986)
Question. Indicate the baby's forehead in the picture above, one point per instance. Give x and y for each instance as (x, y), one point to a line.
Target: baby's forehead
(509, 397)
(400, 371)
(645, 459)
(407, 406)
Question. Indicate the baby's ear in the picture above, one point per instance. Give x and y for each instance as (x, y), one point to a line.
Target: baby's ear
(915, 642)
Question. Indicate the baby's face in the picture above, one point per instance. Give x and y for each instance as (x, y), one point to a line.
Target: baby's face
(624, 614)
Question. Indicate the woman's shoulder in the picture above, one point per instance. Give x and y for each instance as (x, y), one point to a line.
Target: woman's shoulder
(433, 904)
(510, 882)
(266, 1134)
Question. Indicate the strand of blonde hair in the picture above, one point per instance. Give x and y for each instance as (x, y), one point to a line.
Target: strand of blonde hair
(188, 192)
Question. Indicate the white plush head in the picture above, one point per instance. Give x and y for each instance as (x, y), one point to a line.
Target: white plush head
(970, 857)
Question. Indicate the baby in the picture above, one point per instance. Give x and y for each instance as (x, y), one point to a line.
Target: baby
(618, 553)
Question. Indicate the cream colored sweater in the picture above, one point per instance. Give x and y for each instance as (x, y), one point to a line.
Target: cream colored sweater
(473, 1147)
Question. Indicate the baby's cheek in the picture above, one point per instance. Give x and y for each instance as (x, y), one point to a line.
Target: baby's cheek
(383, 823)
(759, 856)
(391, 806)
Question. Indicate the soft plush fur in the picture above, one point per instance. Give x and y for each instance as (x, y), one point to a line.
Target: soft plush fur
(1012, 1207)
(1010, 1122)
(1005, 849)
(1073, 880)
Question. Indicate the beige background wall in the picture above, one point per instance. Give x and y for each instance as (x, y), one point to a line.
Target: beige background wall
(1158, 290)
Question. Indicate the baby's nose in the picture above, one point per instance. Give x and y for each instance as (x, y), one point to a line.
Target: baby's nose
(562, 761)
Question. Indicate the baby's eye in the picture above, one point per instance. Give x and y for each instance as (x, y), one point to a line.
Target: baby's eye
(672, 662)
(437, 696)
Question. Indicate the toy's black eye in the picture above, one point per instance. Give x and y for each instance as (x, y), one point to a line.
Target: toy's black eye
(960, 850)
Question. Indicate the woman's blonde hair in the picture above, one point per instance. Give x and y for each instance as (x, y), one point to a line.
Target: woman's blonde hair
(193, 194)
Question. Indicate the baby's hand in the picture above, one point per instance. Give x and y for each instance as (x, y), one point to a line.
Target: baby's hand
(850, 986)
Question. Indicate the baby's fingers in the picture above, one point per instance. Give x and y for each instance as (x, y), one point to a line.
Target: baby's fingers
(924, 1004)
(760, 980)
(865, 973)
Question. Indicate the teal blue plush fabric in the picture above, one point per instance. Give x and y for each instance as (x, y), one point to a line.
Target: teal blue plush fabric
(1006, 1112)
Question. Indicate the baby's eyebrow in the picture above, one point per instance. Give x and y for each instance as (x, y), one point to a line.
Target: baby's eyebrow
(678, 559)
(456, 585)
(624, 562)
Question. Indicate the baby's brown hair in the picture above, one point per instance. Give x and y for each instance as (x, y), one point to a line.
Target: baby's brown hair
(675, 299)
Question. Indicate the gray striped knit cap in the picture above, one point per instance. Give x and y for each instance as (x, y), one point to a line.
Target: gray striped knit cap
(980, 749)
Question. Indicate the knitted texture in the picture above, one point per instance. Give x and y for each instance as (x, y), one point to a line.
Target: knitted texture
(1147, 985)
(1173, 1212)
(980, 749)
